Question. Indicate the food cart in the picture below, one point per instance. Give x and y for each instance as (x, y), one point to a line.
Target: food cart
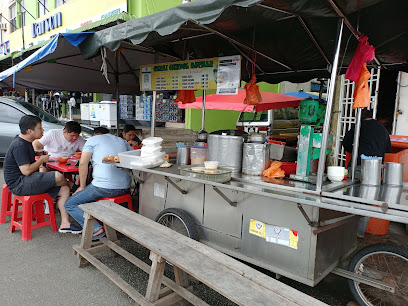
(290, 227)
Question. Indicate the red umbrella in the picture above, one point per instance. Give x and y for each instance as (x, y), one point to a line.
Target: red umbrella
(270, 100)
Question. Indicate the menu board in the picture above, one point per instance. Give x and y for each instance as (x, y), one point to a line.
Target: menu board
(221, 73)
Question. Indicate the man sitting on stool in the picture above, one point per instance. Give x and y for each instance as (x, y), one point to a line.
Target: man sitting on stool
(108, 180)
(21, 171)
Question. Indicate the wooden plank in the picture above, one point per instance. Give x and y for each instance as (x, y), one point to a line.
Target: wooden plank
(155, 277)
(129, 290)
(246, 271)
(166, 281)
(181, 278)
(230, 282)
(169, 299)
(110, 233)
(86, 239)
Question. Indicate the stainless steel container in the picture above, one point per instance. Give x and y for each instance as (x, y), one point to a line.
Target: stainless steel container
(370, 192)
(393, 174)
(371, 172)
(183, 156)
(391, 194)
(255, 158)
(227, 150)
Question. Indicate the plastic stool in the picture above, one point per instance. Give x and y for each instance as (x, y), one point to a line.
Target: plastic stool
(6, 204)
(121, 199)
(28, 202)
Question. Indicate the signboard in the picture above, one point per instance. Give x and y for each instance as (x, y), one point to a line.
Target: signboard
(221, 73)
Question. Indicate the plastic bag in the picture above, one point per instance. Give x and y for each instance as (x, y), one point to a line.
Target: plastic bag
(253, 96)
(361, 93)
(185, 96)
(274, 170)
(363, 53)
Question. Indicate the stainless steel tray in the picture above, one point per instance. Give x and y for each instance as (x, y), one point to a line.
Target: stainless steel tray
(222, 176)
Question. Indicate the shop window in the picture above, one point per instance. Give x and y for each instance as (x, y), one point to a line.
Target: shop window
(60, 2)
(42, 7)
(23, 12)
(13, 18)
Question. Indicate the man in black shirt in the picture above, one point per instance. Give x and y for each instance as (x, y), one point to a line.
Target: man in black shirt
(374, 138)
(21, 170)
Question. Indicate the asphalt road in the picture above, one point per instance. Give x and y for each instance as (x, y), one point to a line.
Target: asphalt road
(43, 271)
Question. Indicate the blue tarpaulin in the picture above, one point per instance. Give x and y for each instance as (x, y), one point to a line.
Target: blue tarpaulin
(302, 94)
(73, 38)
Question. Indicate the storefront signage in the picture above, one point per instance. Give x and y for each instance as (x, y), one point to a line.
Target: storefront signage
(5, 48)
(46, 25)
(221, 73)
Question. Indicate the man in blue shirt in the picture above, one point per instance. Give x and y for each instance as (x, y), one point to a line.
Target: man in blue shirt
(108, 180)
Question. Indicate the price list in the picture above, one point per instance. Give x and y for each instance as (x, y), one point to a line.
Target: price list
(161, 83)
(187, 82)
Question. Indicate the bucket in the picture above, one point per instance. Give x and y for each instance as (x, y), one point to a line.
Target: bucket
(377, 226)
(371, 172)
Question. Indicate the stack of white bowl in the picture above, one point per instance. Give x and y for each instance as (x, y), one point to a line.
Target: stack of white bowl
(151, 146)
(335, 173)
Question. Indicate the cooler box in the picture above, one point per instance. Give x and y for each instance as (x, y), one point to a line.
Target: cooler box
(85, 113)
(94, 113)
(108, 113)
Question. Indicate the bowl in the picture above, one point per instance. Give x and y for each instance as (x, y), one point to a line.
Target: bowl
(77, 153)
(335, 177)
(336, 170)
(63, 160)
(211, 165)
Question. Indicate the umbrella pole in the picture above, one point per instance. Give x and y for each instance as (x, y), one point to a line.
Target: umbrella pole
(326, 124)
(153, 116)
(203, 113)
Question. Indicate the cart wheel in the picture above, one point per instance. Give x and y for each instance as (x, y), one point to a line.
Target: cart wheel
(179, 221)
(386, 263)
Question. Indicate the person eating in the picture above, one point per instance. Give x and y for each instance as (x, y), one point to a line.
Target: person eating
(21, 171)
(129, 134)
(108, 180)
(63, 142)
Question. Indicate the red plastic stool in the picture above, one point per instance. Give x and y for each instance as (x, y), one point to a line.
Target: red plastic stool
(6, 204)
(28, 202)
(121, 199)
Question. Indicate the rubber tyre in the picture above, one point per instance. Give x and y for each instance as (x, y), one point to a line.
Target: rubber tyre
(363, 254)
(183, 218)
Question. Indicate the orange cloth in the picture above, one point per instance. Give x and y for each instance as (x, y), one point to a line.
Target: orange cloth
(361, 93)
(274, 170)
(185, 96)
(253, 96)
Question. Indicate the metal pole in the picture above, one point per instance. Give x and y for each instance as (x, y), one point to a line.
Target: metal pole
(153, 116)
(397, 101)
(203, 113)
(326, 125)
(117, 93)
(355, 144)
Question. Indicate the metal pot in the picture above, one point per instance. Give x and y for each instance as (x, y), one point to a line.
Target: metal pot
(371, 172)
(227, 150)
(202, 135)
(256, 138)
(393, 174)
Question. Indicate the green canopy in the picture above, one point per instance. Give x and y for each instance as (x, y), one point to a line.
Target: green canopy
(288, 39)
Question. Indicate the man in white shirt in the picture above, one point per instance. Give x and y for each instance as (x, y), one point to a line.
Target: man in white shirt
(61, 142)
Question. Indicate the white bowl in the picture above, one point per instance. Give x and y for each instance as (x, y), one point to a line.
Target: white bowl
(336, 170)
(211, 165)
(335, 177)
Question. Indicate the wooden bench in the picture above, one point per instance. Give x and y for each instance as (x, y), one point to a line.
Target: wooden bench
(231, 278)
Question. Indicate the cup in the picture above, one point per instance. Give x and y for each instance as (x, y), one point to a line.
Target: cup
(371, 172)
(183, 155)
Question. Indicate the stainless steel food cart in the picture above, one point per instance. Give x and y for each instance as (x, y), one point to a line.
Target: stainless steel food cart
(222, 213)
